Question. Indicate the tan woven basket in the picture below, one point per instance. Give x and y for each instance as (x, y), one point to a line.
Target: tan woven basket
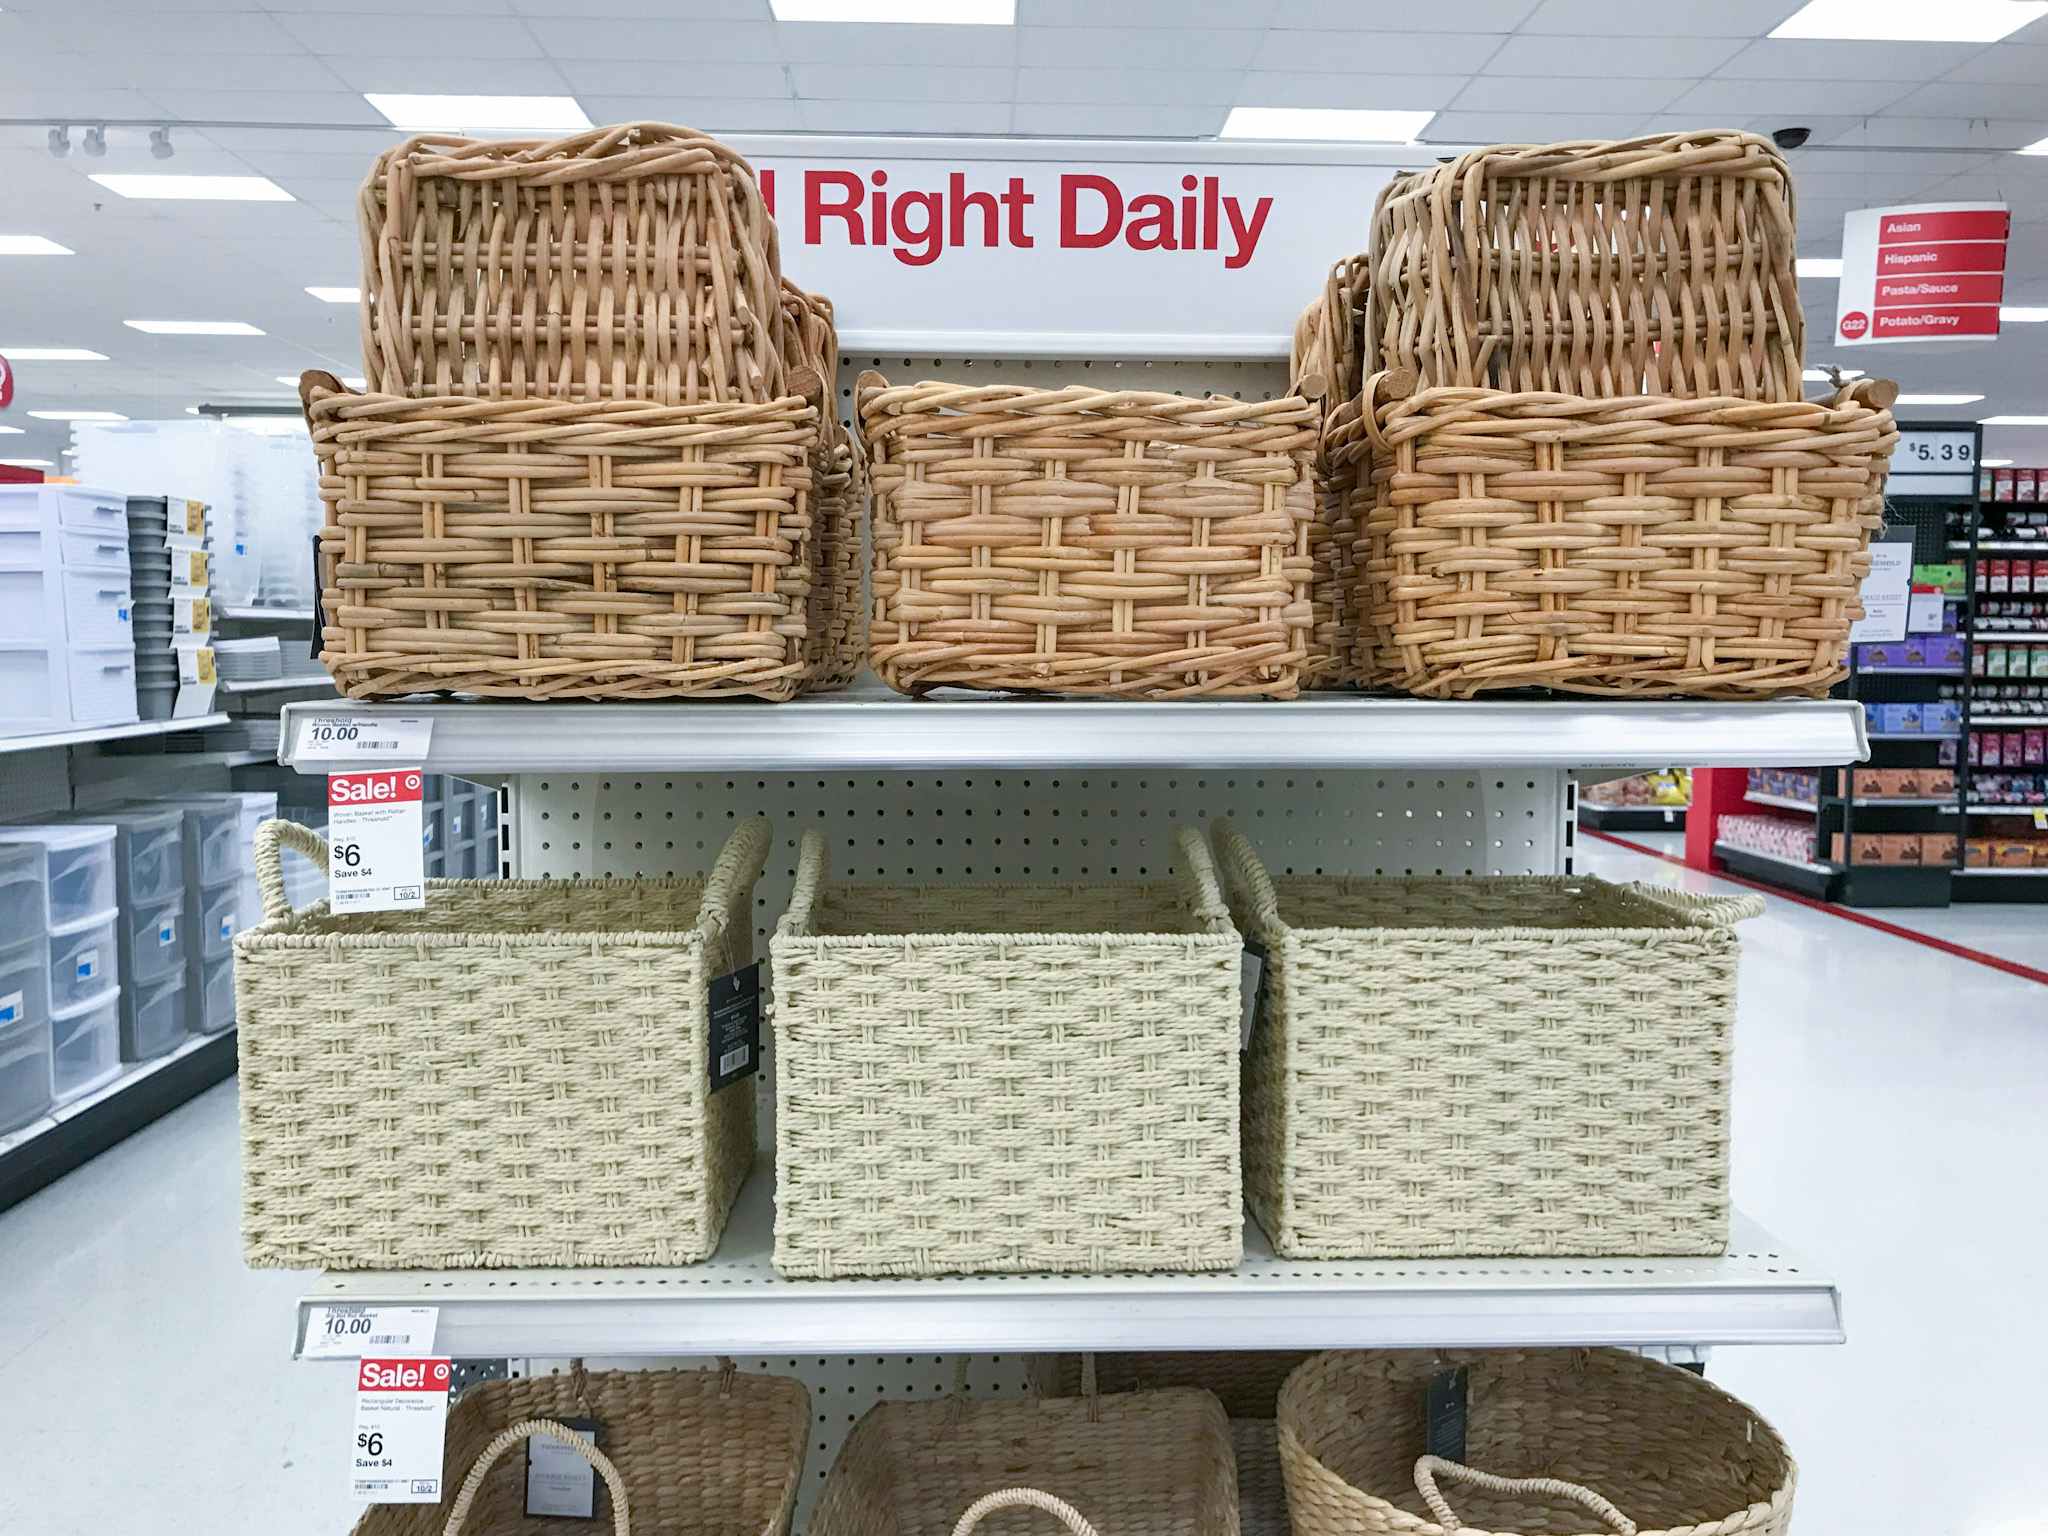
(676, 1451)
(835, 637)
(559, 550)
(517, 1074)
(1133, 1464)
(1462, 1067)
(1324, 364)
(1558, 1441)
(1015, 1078)
(1088, 541)
(629, 263)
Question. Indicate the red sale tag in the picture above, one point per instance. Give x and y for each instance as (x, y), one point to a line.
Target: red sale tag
(400, 1430)
(376, 840)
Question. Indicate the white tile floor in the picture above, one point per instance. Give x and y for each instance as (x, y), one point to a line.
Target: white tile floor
(1889, 1121)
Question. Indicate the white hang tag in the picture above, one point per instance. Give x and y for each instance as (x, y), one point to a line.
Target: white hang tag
(376, 861)
(348, 1332)
(558, 1481)
(363, 739)
(196, 681)
(190, 616)
(400, 1430)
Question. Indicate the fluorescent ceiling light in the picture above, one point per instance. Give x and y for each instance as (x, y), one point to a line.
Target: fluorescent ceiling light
(52, 355)
(1911, 21)
(2038, 147)
(1820, 266)
(32, 245)
(1993, 463)
(292, 379)
(337, 295)
(1345, 123)
(2021, 315)
(30, 463)
(193, 327)
(78, 416)
(1822, 376)
(269, 426)
(1982, 421)
(1939, 399)
(970, 13)
(16, 431)
(480, 114)
(207, 189)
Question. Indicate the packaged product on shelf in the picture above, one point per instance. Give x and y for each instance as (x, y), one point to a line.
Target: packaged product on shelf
(2037, 661)
(1780, 836)
(2003, 486)
(1977, 853)
(1937, 848)
(2024, 485)
(2034, 749)
(2015, 748)
(2001, 577)
(1937, 781)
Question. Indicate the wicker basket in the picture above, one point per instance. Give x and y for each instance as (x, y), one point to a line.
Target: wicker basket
(1133, 1464)
(1022, 1078)
(1556, 1434)
(835, 638)
(627, 263)
(1450, 1068)
(676, 1451)
(557, 550)
(1323, 364)
(517, 1074)
(1088, 541)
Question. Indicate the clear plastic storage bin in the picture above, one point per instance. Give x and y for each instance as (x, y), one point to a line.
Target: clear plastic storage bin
(35, 688)
(213, 851)
(152, 1018)
(153, 942)
(85, 1045)
(213, 1004)
(21, 888)
(25, 1092)
(77, 872)
(210, 916)
(25, 981)
(149, 853)
(102, 684)
(84, 961)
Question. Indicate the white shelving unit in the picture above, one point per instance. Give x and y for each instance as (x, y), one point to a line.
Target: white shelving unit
(1783, 802)
(88, 735)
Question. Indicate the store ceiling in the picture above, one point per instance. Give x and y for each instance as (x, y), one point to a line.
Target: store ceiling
(1893, 122)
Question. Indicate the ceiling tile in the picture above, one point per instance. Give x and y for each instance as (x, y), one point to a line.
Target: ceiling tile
(1461, 127)
(1144, 13)
(1994, 135)
(1745, 98)
(453, 38)
(432, 74)
(264, 106)
(368, 141)
(936, 116)
(1670, 57)
(1365, 53)
(1803, 60)
(1439, 16)
(1117, 121)
(899, 82)
(714, 42)
(776, 114)
(1136, 47)
(822, 42)
(1611, 94)
(678, 10)
(77, 106)
(1671, 18)
(2018, 63)
(387, 7)
(1396, 93)
(594, 79)
(165, 34)
(1201, 87)
(1976, 98)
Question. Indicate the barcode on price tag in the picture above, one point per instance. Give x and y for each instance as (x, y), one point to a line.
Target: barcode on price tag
(364, 738)
(347, 1332)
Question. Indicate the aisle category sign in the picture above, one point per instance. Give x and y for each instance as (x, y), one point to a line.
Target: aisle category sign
(1926, 272)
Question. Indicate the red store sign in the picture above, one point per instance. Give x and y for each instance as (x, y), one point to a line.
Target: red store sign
(1932, 272)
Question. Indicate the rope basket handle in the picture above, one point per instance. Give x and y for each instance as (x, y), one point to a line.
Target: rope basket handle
(271, 838)
(1700, 911)
(734, 872)
(1197, 873)
(1247, 876)
(1023, 1498)
(810, 880)
(1429, 1468)
(505, 1439)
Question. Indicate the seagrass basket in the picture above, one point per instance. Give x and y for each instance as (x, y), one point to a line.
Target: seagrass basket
(1446, 1068)
(1088, 541)
(835, 637)
(1324, 365)
(713, 1451)
(1006, 1078)
(1556, 1442)
(517, 1074)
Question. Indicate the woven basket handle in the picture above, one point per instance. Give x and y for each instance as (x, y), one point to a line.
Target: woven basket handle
(737, 867)
(1429, 1468)
(1024, 1498)
(1246, 876)
(622, 1522)
(1197, 871)
(1382, 389)
(1700, 911)
(810, 879)
(271, 838)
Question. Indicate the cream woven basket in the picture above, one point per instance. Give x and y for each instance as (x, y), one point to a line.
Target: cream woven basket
(516, 1075)
(1520, 1065)
(1006, 1078)
(1557, 1442)
(710, 1451)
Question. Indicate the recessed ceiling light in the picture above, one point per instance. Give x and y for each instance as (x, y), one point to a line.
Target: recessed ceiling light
(193, 327)
(337, 295)
(78, 416)
(30, 463)
(206, 189)
(971, 13)
(1348, 124)
(2021, 315)
(15, 431)
(480, 114)
(292, 379)
(32, 245)
(1820, 266)
(1939, 399)
(2038, 147)
(1822, 376)
(1982, 421)
(52, 355)
(1911, 21)
(1994, 463)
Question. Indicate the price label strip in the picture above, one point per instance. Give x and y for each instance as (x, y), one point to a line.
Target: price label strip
(376, 858)
(364, 739)
(400, 1430)
(348, 1332)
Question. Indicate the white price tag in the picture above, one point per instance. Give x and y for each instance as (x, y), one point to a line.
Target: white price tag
(376, 858)
(400, 1430)
(364, 739)
(348, 1332)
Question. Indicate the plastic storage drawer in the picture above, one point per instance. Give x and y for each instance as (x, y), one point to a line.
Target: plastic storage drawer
(25, 1090)
(87, 551)
(25, 981)
(210, 920)
(152, 1018)
(84, 961)
(149, 854)
(213, 1003)
(102, 684)
(90, 511)
(85, 1045)
(213, 830)
(77, 869)
(31, 601)
(21, 888)
(35, 688)
(154, 942)
(97, 608)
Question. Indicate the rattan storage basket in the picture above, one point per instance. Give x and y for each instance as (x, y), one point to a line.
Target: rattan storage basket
(1088, 541)
(1658, 1449)
(1006, 1078)
(713, 1451)
(517, 1074)
(835, 637)
(1132, 1464)
(1323, 364)
(635, 262)
(1529, 1065)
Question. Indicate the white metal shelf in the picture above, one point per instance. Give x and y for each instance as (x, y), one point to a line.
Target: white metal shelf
(2001, 547)
(873, 728)
(1975, 870)
(257, 614)
(303, 681)
(1787, 802)
(2000, 722)
(1809, 866)
(85, 735)
(735, 1303)
(2009, 637)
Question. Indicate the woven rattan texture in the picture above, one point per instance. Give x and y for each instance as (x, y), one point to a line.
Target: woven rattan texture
(517, 1075)
(1519, 1066)
(543, 549)
(1088, 541)
(628, 263)
(977, 1079)
(1133, 1464)
(1674, 1453)
(1656, 266)
(697, 1450)
(1648, 547)
(1324, 363)
(835, 638)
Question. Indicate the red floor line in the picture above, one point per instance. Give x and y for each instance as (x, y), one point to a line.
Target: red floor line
(1996, 962)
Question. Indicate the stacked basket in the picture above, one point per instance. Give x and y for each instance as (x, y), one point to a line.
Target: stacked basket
(586, 463)
(149, 573)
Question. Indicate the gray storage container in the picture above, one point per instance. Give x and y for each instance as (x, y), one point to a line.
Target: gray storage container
(25, 981)
(25, 1092)
(76, 866)
(85, 960)
(153, 943)
(212, 1006)
(22, 908)
(153, 1018)
(149, 858)
(85, 1045)
(210, 914)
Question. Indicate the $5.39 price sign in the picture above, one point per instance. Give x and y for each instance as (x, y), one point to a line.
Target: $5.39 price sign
(401, 1423)
(376, 853)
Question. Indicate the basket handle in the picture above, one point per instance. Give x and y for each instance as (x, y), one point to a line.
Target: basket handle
(1015, 1498)
(1197, 871)
(810, 879)
(1700, 911)
(271, 838)
(1380, 389)
(1429, 1468)
(1246, 875)
(737, 867)
(622, 1523)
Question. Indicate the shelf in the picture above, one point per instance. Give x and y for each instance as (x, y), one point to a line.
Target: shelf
(1979, 872)
(85, 735)
(1909, 671)
(2004, 810)
(1807, 879)
(1785, 802)
(1884, 802)
(735, 1303)
(2008, 637)
(2001, 547)
(304, 680)
(873, 728)
(1914, 735)
(1632, 818)
(2002, 722)
(256, 614)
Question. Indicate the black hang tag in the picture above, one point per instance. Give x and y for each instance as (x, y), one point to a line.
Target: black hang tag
(735, 1026)
(559, 1483)
(1444, 1433)
(1251, 978)
(319, 613)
